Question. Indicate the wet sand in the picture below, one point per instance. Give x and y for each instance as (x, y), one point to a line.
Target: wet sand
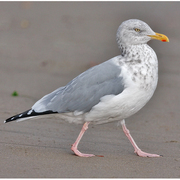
(43, 45)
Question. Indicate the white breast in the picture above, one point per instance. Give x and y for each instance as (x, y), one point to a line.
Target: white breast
(140, 78)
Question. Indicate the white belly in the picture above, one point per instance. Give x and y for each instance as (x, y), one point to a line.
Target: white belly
(119, 107)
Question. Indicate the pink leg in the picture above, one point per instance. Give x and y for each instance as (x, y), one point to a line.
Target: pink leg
(75, 145)
(136, 148)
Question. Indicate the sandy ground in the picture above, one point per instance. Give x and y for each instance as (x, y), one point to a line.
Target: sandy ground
(42, 47)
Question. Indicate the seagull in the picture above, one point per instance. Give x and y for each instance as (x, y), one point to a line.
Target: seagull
(111, 91)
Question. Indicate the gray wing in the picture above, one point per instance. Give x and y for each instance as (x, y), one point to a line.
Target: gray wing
(84, 91)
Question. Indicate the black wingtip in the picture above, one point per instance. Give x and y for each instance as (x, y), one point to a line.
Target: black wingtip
(18, 116)
(27, 114)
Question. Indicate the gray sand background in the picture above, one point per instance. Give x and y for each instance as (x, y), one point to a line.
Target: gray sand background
(43, 45)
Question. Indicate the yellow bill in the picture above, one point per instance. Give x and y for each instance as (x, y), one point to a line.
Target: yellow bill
(160, 37)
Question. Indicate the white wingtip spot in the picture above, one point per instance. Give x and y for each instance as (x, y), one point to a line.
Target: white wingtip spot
(20, 115)
(30, 111)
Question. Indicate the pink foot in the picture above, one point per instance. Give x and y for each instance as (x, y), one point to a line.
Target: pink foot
(144, 154)
(136, 148)
(75, 145)
(78, 153)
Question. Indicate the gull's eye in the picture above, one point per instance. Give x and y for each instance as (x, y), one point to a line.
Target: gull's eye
(137, 30)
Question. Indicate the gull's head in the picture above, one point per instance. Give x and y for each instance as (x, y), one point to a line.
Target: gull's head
(134, 32)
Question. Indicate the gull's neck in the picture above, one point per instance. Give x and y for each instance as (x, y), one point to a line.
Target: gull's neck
(134, 51)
